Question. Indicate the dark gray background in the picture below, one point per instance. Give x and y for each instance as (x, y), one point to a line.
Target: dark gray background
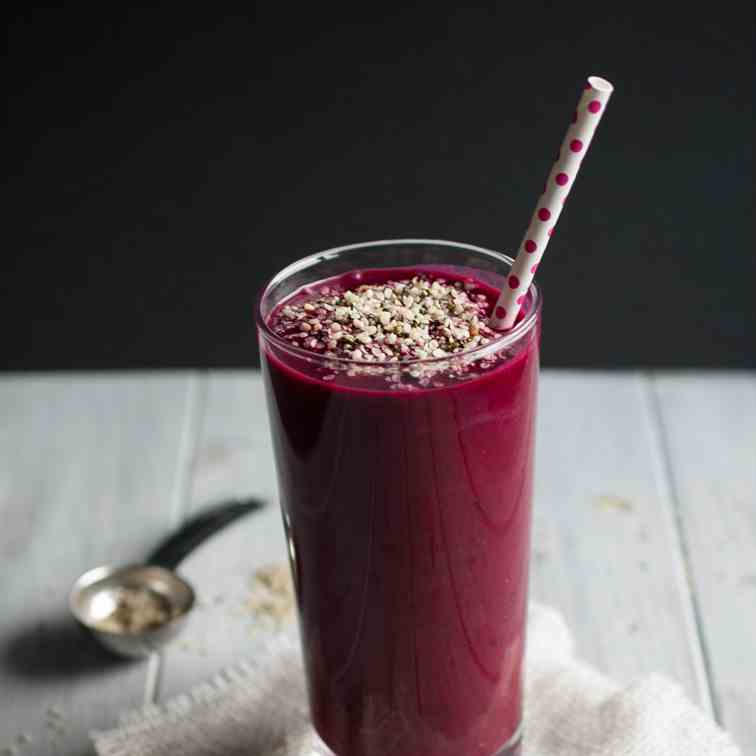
(161, 165)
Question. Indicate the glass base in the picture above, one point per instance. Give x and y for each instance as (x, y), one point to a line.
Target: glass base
(513, 750)
(513, 747)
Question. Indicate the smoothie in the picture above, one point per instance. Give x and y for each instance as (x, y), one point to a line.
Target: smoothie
(407, 503)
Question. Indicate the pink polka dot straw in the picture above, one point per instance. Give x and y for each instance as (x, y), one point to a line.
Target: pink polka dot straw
(576, 142)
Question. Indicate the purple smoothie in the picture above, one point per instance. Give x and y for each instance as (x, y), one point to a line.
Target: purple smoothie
(409, 514)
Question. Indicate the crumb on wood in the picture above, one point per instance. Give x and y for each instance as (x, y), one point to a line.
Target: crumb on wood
(271, 597)
(610, 503)
(192, 648)
(56, 722)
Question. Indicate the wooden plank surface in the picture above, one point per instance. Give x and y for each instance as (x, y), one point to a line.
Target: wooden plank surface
(635, 504)
(605, 551)
(88, 472)
(233, 458)
(708, 424)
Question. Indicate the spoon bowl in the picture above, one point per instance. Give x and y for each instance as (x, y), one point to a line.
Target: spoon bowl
(96, 594)
(101, 595)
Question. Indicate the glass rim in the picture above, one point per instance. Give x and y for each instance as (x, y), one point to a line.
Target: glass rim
(500, 342)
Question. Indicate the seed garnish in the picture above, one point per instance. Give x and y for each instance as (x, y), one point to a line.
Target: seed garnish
(395, 321)
(373, 329)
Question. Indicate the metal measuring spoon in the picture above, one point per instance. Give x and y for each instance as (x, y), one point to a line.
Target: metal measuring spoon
(99, 593)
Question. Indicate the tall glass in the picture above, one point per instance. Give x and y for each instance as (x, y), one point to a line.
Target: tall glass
(406, 498)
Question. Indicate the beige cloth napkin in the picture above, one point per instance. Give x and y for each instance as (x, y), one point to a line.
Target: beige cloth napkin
(259, 709)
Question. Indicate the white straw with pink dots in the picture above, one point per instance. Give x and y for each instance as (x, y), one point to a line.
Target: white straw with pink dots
(589, 110)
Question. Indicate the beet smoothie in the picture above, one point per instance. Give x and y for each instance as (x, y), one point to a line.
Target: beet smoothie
(407, 505)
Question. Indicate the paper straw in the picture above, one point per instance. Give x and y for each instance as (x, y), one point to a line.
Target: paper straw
(576, 142)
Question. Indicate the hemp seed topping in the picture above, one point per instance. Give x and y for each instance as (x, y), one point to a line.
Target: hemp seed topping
(138, 610)
(395, 321)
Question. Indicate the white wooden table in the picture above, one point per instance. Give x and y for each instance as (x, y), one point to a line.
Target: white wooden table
(644, 537)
